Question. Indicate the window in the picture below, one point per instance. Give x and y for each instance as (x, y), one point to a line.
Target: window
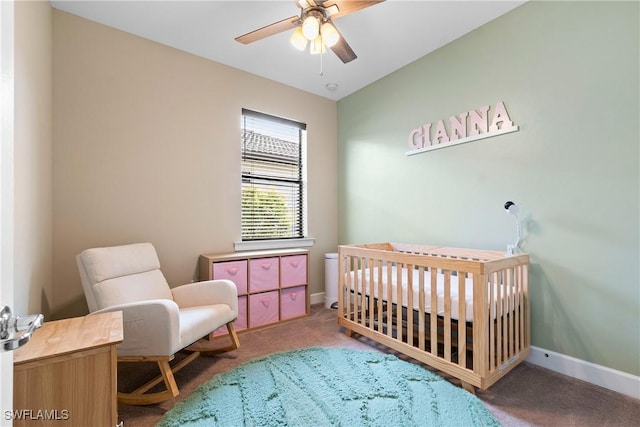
(272, 177)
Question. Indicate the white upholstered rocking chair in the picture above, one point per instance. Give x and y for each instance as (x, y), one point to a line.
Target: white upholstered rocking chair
(158, 320)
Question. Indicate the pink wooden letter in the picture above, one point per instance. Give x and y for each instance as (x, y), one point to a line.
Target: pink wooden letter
(501, 119)
(441, 133)
(479, 121)
(458, 127)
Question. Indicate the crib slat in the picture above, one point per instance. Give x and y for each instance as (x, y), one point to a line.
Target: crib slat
(380, 295)
(433, 325)
(516, 309)
(520, 312)
(500, 312)
(421, 308)
(363, 295)
(343, 283)
(346, 290)
(511, 308)
(492, 321)
(462, 320)
(358, 289)
(410, 287)
(389, 310)
(399, 317)
(370, 291)
(354, 294)
(526, 313)
(503, 312)
(447, 315)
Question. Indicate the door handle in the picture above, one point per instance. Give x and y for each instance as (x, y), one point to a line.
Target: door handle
(17, 331)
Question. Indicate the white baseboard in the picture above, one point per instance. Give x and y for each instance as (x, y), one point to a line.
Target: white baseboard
(602, 376)
(316, 298)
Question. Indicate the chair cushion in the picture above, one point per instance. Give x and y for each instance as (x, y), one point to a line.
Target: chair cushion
(197, 322)
(122, 274)
(132, 288)
(106, 263)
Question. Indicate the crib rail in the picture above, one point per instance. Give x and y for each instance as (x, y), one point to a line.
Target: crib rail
(476, 336)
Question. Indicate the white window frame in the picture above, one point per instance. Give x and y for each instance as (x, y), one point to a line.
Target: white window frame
(277, 243)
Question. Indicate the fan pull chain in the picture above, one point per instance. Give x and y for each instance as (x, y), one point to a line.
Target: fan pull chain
(321, 72)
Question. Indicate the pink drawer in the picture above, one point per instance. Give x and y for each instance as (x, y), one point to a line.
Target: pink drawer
(263, 308)
(236, 271)
(241, 322)
(293, 270)
(293, 302)
(263, 274)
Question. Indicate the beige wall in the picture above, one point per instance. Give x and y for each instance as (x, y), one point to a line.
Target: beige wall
(32, 158)
(147, 148)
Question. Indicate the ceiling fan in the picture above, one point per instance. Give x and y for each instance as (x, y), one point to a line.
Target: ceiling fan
(314, 25)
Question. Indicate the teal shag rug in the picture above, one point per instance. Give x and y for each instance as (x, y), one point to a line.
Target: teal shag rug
(329, 387)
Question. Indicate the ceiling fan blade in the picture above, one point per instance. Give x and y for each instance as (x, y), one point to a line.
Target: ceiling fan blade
(269, 30)
(347, 6)
(343, 50)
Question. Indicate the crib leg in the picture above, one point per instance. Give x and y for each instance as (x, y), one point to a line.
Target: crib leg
(470, 388)
(348, 332)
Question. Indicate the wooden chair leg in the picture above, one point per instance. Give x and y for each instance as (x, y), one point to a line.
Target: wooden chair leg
(167, 376)
(235, 342)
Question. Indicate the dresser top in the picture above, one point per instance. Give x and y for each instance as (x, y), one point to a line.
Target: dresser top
(254, 254)
(67, 336)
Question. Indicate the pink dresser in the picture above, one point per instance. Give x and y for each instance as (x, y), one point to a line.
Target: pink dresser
(272, 285)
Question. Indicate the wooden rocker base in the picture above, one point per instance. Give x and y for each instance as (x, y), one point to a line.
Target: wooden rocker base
(206, 347)
(139, 395)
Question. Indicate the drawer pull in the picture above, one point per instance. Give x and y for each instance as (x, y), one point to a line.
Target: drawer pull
(265, 302)
(232, 271)
(294, 264)
(266, 266)
(293, 296)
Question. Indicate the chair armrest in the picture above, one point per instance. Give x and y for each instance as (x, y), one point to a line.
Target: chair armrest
(151, 328)
(209, 292)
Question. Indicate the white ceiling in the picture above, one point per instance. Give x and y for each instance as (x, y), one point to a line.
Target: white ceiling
(385, 37)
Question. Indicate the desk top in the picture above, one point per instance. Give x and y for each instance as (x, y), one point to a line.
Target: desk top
(67, 336)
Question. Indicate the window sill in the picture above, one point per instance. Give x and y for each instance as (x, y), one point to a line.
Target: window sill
(274, 244)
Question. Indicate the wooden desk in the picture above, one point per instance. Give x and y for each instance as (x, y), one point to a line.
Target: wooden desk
(67, 374)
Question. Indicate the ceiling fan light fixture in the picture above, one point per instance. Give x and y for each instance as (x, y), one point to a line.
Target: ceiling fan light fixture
(311, 27)
(298, 40)
(330, 35)
(317, 46)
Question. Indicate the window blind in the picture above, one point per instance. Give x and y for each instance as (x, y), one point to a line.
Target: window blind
(272, 177)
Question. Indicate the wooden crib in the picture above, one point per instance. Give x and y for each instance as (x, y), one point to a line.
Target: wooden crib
(461, 311)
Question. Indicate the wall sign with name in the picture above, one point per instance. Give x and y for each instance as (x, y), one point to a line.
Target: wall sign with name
(466, 127)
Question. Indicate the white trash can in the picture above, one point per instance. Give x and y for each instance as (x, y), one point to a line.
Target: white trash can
(331, 280)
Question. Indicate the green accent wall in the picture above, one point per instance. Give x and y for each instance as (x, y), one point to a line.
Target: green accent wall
(568, 73)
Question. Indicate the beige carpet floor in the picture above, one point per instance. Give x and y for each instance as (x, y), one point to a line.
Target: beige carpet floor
(528, 396)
